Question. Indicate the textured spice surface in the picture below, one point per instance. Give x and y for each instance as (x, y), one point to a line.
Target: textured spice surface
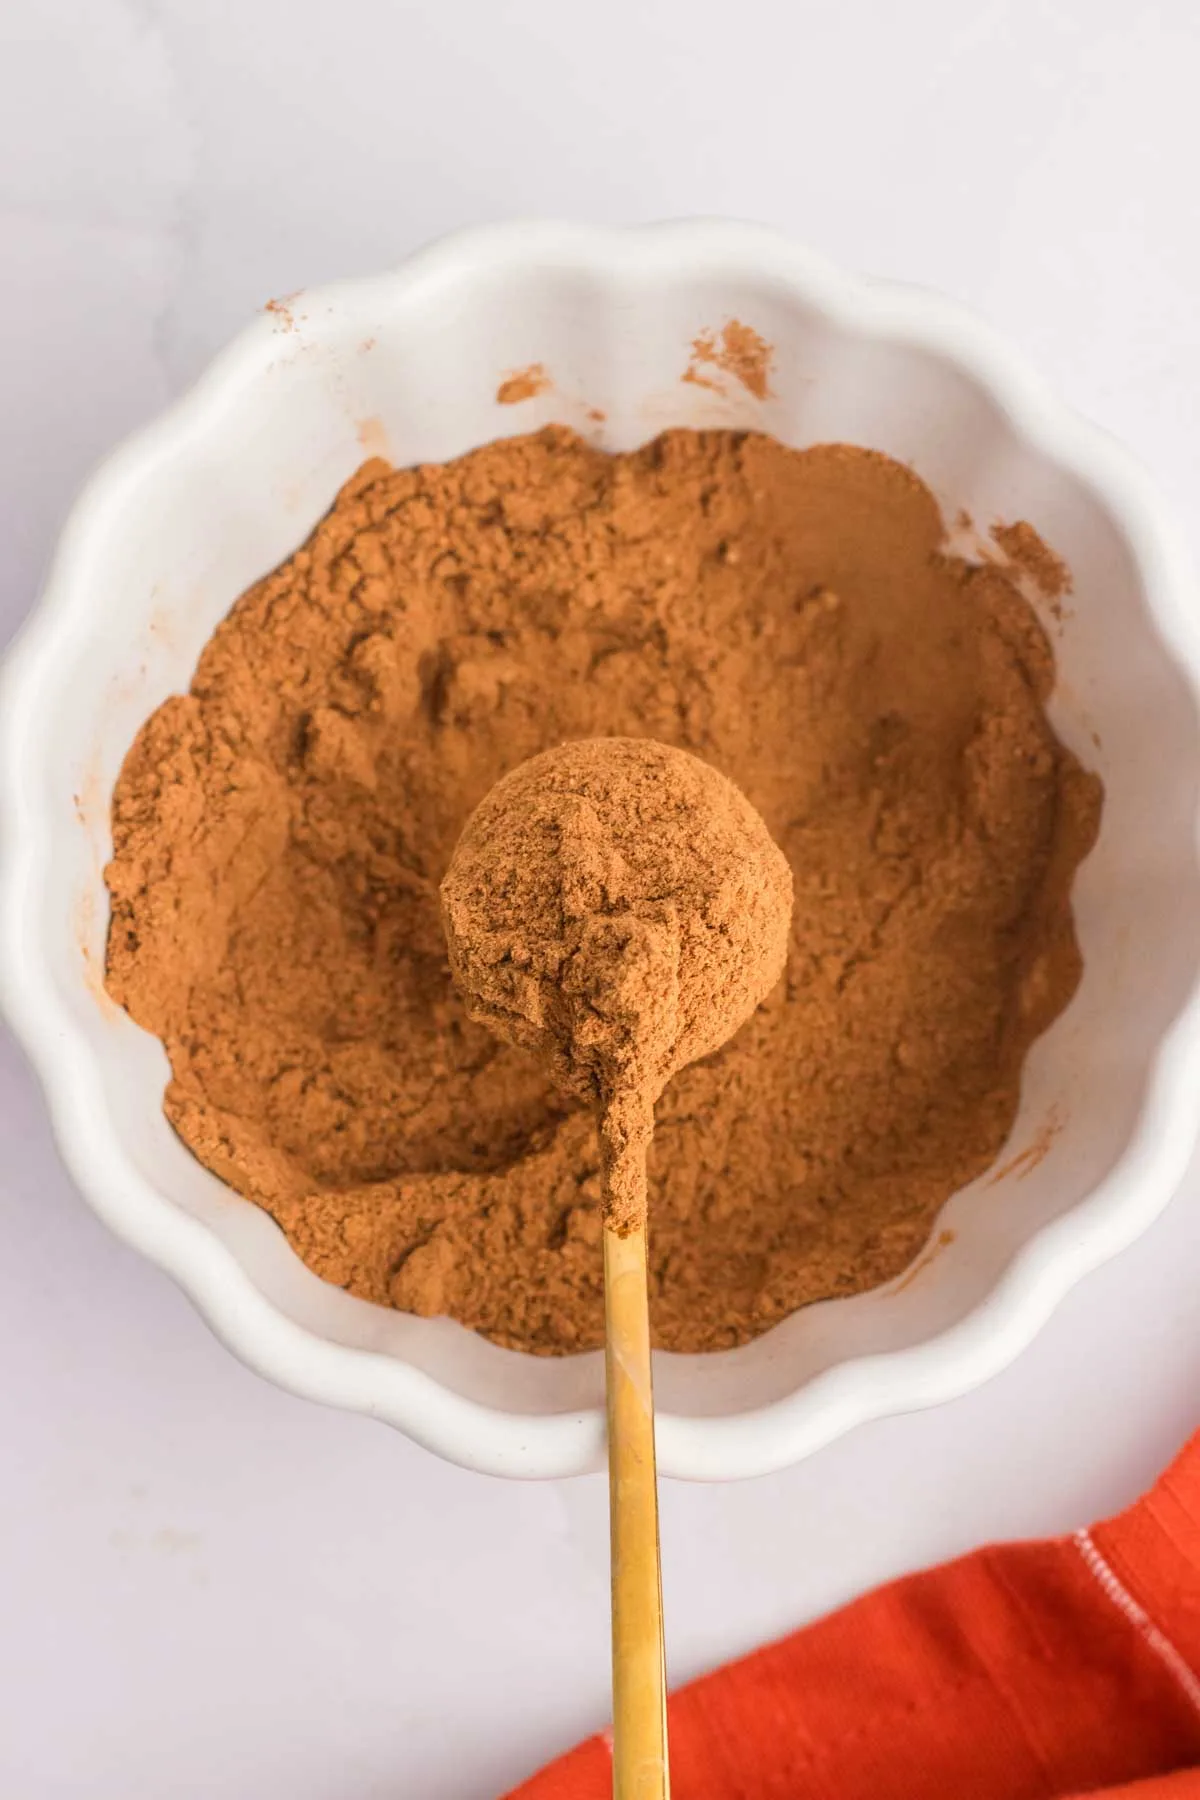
(280, 833)
(616, 907)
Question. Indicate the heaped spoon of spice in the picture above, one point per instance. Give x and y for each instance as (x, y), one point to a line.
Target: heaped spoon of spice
(619, 908)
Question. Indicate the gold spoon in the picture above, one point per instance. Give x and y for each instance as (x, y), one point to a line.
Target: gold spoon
(618, 907)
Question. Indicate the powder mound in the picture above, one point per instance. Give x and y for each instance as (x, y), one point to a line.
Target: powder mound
(792, 618)
(617, 907)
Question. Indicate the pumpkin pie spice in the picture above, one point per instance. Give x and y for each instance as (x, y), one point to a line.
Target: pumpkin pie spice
(791, 618)
(616, 907)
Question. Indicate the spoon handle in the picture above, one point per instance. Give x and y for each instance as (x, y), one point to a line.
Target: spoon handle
(640, 1769)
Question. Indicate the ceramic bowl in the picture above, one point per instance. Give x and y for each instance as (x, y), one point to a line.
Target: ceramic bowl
(229, 481)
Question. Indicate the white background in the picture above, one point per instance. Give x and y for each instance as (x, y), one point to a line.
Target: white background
(208, 1588)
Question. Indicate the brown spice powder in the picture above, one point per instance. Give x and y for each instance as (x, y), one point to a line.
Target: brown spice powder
(616, 907)
(523, 384)
(736, 350)
(1029, 554)
(790, 617)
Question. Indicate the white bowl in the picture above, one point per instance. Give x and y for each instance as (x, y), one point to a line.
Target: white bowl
(182, 519)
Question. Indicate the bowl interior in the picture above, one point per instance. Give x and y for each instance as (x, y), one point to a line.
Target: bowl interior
(411, 369)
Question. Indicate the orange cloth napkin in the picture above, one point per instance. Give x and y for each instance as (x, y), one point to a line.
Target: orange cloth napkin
(1043, 1671)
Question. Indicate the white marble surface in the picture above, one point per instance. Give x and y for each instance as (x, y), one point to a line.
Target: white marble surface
(206, 1587)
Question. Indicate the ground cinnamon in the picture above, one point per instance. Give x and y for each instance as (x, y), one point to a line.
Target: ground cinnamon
(790, 617)
(616, 907)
